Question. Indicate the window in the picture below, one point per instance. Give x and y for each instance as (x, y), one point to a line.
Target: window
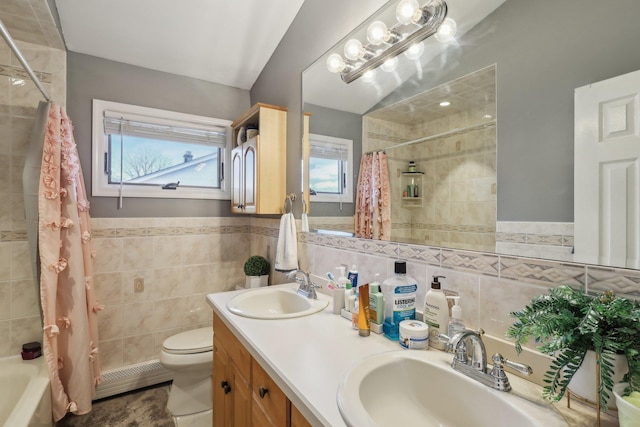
(330, 169)
(146, 152)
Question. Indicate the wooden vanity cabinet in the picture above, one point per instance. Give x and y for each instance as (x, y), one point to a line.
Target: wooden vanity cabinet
(243, 393)
(258, 165)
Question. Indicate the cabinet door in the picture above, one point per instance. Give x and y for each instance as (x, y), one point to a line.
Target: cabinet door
(241, 400)
(222, 387)
(250, 175)
(236, 179)
(297, 419)
(268, 397)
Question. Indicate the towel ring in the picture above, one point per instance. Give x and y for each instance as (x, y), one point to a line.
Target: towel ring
(290, 198)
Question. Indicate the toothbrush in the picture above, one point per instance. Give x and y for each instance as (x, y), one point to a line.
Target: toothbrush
(332, 282)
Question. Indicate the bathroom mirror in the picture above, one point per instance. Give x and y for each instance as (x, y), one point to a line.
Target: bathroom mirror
(540, 52)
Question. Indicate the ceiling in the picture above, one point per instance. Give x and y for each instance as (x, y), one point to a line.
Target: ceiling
(221, 41)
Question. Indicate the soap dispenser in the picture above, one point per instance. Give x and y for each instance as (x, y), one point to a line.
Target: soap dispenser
(455, 325)
(436, 314)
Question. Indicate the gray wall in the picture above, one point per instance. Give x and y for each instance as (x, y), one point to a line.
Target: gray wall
(319, 25)
(329, 122)
(543, 50)
(89, 77)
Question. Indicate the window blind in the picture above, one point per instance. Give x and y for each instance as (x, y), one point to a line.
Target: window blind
(175, 131)
(328, 151)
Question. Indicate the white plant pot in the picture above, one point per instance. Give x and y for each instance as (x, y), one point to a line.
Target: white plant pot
(628, 414)
(256, 281)
(583, 383)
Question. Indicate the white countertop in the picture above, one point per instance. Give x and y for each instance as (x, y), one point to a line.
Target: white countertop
(308, 357)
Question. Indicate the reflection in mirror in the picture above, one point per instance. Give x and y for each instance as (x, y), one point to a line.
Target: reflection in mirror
(540, 53)
(449, 134)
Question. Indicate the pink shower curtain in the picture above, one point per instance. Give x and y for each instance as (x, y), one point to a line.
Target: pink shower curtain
(373, 212)
(66, 284)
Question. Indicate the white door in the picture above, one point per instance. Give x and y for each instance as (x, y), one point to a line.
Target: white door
(607, 172)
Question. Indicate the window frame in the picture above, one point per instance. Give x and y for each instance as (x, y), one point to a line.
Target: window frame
(348, 191)
(100, 186)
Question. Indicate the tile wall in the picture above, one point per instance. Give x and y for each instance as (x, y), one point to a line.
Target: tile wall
(490, 285)
(19, 98)
(180, 260)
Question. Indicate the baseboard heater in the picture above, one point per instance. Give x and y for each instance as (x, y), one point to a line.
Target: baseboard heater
(132, 377)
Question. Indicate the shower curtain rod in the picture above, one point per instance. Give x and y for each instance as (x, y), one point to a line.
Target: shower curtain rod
(451, 132)
(7, 37)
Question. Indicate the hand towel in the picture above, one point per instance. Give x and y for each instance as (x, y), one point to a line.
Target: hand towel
(287, 249)
(305, 222)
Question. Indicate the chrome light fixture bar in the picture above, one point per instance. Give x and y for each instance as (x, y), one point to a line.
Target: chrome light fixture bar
(427, 18)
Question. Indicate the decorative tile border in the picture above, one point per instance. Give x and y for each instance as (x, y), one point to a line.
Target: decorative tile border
(19, 72)
(475, 262)
(546, 273)
(13, 236)
(619, 280)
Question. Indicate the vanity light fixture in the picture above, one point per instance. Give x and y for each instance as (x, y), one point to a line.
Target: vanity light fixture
(445, 103)
(414, 24)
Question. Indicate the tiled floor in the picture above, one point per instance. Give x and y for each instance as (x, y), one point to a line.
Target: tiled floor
(141, 408)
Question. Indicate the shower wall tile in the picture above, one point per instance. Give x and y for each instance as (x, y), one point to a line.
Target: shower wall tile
(5, 301)
(23, 299)
(6, 348)
(24, 330)
(20, 261)
(5, 261)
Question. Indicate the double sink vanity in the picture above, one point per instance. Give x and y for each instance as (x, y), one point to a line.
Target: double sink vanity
(282, 359)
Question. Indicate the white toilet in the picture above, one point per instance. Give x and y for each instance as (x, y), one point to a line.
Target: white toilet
(190, 356)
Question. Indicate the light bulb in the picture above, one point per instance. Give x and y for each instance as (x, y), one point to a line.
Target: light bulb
(447, 30)
(405, 11)
(352, 49)
(445, 103)
(376, 32)
(369, 76)
(415, 51)
(390, 64)
(335, 63)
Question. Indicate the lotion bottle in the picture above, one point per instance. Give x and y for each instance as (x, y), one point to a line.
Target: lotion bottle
(376, 302)
(436, 314)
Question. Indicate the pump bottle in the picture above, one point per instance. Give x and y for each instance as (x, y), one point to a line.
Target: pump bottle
(436, 314)
(456, 325)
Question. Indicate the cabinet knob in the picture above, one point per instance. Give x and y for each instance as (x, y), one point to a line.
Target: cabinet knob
(226, 387)
(263, 391)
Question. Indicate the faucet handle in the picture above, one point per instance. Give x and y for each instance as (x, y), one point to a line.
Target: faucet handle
(519, 367)
(499, 362)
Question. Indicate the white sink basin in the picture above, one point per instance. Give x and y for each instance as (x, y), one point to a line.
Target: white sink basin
(412, 387)
(274, 303)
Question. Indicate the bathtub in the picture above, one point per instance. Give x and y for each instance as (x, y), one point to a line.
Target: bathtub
(25, 396)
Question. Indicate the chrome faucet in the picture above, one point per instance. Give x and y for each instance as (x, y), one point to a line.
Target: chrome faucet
(469, 343)
(307, 287)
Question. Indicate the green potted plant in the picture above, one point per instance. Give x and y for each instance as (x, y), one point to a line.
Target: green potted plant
(256, 269)
(567, 324)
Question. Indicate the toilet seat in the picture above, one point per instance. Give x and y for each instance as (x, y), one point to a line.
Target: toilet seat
(190, 342)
